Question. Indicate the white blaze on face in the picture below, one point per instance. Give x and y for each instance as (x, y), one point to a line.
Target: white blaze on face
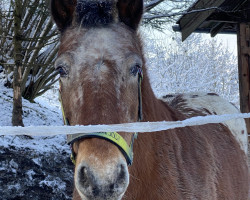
(96, 47)
(103, 56)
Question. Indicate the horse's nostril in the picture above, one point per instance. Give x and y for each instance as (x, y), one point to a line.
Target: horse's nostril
(83, 170)
(95, 191)
(112, 186)
(87, 182)
(121, 174)
(83, 175)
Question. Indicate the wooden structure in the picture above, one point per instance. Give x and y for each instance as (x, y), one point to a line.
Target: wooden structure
(224, 16)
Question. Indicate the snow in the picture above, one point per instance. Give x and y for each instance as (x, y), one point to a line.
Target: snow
(37, 161)
(45, 112)
(34, 167)
(56, 184)
(200, 64)
(16, 186)
(30, 173)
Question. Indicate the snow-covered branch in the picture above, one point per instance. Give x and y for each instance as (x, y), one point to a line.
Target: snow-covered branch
(151, 5)
(155, 16)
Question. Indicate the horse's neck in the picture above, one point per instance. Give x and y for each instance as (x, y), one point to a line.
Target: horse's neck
(148, 149)
(153, 108)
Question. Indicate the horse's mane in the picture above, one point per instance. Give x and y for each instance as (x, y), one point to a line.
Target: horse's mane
(95, 13)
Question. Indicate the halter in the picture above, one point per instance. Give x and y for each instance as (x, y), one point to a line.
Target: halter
(113, 137)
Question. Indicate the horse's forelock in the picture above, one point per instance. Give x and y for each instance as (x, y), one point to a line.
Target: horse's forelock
(96, 12)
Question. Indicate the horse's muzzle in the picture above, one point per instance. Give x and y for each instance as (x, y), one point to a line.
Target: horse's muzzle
(97, 184)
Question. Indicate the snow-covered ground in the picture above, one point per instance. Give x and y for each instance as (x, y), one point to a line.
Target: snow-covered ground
(37, 167)
(45, 112)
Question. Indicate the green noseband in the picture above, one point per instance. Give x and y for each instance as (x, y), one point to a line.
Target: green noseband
(112, 137)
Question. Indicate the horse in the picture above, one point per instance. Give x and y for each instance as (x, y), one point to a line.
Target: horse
(104, 80)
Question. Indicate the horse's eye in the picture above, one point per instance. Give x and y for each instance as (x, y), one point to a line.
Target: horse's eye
(135, 69)
(62, 71)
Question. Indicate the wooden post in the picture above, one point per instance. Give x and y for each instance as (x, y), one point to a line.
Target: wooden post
(243, 40)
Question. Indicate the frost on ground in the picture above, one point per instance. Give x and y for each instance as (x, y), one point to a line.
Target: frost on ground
(37, 167)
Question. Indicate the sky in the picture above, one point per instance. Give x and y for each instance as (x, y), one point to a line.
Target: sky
(228, 40)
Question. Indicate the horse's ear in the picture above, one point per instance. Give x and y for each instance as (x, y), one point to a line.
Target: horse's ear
(62, 12)
(130, 12)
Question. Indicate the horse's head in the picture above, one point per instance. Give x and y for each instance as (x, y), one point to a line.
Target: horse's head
(99, 61)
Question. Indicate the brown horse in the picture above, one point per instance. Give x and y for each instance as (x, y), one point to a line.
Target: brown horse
(100, 62)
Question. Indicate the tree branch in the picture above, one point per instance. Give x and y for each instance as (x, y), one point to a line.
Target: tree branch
(152, 5)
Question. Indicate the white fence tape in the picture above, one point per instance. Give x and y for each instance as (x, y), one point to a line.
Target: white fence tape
(127, 127)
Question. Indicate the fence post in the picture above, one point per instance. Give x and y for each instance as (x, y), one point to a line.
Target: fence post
(243, 41)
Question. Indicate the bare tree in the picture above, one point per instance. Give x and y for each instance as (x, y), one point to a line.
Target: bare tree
(158, 13)
(39, 44)
(17, 75)
(28, 45)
